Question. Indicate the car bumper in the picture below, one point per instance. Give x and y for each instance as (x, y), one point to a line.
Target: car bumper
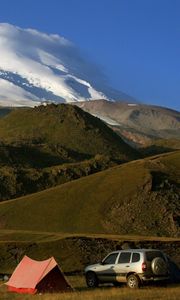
(157, 278)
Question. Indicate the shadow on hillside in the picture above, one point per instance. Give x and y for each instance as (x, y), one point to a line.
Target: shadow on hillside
(162, 181)
(153, 150)
(37, 155)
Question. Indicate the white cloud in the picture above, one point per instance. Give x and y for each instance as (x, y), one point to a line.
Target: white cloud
(48, 61)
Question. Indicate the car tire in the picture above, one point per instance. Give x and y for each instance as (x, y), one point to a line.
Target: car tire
(133, 281)
(159, 266)
(91, 280)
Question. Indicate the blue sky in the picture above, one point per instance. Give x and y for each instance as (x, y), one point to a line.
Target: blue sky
(136, 42)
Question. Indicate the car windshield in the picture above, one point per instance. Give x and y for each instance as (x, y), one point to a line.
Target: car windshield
(111, 259)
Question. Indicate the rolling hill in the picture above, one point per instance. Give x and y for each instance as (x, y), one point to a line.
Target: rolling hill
(44, 146)
(139, 197)
(64, 125)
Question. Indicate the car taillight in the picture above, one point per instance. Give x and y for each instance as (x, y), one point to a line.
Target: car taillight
(144, 266)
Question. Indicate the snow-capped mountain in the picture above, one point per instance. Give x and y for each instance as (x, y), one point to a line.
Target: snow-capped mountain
(37, 67)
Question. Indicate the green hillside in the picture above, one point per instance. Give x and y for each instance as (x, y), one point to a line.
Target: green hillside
(18, 181)
(139, 197)
(66, 127)
(48, 145)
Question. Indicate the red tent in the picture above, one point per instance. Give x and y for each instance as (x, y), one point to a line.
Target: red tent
(31, 276)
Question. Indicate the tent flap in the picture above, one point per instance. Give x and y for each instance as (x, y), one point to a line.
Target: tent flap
(22, 291)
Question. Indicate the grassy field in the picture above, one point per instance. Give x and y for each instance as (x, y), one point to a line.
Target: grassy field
(170, 292)
(143, 199)
(8, 235)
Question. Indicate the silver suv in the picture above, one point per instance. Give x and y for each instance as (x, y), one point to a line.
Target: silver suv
(133, 266)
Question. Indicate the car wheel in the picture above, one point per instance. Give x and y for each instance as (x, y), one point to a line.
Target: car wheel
(159, 266)
(133, 281)
(91, 280)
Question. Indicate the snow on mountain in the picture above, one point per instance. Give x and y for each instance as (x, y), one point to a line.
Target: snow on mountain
(37, 67)
(10, 92)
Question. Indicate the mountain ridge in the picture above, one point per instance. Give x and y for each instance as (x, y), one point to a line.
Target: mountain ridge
(139, 124)
(66, 124)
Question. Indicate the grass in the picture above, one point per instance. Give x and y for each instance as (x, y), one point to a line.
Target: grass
(104, 293)
(141, 199)
(64, 125)
(26, 235)
(39, 148)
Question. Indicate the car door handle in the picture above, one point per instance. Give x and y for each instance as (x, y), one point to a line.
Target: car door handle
(127, 266)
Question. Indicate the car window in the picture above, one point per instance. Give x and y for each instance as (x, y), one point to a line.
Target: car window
(135, 257)
(124, 257)
(150, 255)
(111, 259)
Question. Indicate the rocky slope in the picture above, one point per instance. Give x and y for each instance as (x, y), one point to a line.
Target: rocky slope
(137, 123)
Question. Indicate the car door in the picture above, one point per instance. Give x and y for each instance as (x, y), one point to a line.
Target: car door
(106, 271)
(122, 267)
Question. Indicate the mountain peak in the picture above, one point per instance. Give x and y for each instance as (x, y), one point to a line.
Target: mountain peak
(37, 67)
